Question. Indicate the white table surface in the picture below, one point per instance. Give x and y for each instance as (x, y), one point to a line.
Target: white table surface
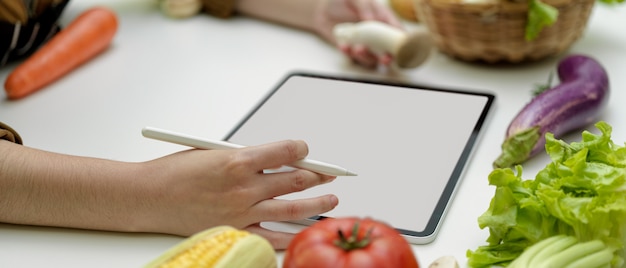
(202, 75)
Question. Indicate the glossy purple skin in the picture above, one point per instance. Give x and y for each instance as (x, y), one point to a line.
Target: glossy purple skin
(573, 104)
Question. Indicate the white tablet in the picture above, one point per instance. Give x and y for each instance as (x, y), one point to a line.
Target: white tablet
(409, 144)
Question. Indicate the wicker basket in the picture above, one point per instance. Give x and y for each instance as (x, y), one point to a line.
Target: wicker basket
(493, 30)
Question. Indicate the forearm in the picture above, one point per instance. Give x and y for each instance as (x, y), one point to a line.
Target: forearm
(294, 13)
(43, 188)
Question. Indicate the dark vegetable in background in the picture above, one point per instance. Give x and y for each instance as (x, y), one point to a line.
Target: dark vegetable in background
(575, 103)
(83, 39)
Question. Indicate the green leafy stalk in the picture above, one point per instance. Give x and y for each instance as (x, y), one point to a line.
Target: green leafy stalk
(540, 15)
(597, 259)
(554, 248)
(579, 253)
(524, 260)
(565, 251)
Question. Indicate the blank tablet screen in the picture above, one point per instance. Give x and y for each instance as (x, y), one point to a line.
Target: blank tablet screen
(408, 144)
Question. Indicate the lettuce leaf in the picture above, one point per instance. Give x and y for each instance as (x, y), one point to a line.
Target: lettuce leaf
(611, 2)
(581, 192)
(540, 15)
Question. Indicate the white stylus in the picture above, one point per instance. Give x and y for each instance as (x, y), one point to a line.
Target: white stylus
(196, 142)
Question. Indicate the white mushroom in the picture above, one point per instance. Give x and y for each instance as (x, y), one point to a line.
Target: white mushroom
(444, 262)
(409, 49)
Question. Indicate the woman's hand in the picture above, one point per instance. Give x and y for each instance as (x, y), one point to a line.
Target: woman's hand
(321, 16)
(182, 193)
(333, 12)
(197, 189)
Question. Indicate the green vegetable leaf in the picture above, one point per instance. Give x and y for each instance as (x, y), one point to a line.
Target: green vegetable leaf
(540, 15)
(540, 88)
(580, 193)
(611, 2)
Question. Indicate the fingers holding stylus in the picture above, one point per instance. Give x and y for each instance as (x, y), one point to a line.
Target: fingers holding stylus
(288, 210)
(282, 183)
(274, 155)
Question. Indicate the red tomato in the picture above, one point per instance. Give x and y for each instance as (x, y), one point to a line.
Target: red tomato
(349, 242)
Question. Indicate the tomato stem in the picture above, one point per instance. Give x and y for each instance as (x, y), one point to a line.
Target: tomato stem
(353, 242)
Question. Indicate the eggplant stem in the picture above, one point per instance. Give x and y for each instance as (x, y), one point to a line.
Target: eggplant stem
(517, 148)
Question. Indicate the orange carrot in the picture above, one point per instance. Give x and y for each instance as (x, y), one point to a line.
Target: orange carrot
(84, 38)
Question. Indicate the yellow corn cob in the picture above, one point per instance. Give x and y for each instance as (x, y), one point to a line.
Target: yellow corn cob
(221, 246)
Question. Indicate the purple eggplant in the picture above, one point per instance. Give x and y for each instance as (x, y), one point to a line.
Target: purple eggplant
(573, 104)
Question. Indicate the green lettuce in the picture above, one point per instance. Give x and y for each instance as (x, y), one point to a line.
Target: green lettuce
(581, 192)
(611, 2)
(540, 15)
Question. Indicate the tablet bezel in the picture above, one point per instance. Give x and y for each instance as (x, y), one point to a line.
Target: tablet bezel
(432, 227)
